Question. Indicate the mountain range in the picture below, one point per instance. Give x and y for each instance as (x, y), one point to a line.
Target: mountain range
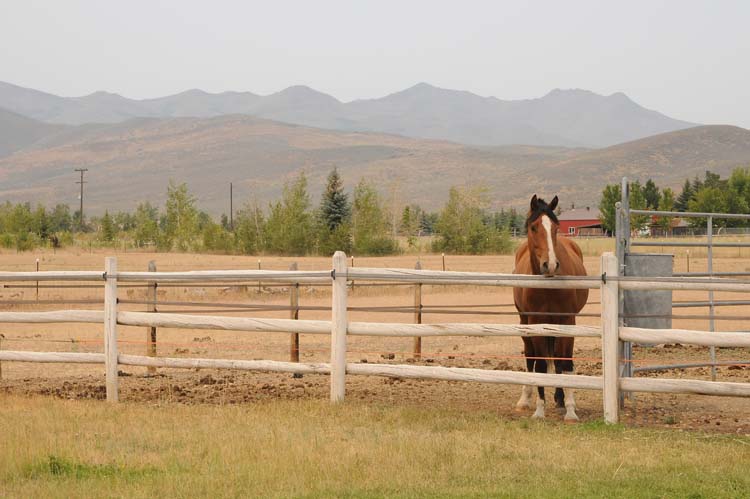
(570, 118)
(133, 161)
(414, 144)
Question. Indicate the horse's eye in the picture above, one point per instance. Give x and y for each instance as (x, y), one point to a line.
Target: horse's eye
(533, 228)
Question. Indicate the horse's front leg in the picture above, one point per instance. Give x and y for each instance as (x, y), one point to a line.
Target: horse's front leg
(568, 396)
(570, 404)
(525, 401)
(541, 366)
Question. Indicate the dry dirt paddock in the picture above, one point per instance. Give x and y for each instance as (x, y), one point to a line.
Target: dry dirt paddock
(233, 387)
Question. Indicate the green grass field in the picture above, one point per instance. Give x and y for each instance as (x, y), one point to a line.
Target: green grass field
(55, 448)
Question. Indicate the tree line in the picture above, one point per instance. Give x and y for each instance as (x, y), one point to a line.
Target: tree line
(710, 194)
(361, 224)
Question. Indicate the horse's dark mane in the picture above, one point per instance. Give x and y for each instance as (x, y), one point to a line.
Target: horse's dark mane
(542, 208)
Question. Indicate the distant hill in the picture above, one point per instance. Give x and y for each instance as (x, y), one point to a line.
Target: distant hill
(133, 161)
(667, 158)
(571, 118)
(18, 132)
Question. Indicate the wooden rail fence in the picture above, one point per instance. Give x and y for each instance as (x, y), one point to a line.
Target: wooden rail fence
(339, 328)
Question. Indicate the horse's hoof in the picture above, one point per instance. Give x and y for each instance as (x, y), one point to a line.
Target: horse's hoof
(571, 420)
(521, 408)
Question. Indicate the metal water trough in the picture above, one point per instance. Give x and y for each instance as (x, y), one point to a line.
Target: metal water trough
(648, 309)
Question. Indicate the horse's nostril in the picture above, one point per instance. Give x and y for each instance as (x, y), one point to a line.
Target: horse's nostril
(557, 266)
(545, 267)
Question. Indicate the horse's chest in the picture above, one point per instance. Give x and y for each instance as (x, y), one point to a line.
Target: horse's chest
(550, 300)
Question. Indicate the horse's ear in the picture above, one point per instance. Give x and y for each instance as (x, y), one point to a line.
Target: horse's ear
(553, 204)
(533, 203)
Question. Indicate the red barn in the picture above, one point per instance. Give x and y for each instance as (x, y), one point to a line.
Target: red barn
(580, 222)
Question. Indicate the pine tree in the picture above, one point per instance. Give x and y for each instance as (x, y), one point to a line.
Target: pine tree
(334, 217)
(108, 228)
(651, 193)
(681, 204)
(697, 185)
(334, 206)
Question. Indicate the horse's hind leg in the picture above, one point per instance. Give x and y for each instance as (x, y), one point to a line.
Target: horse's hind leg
(525, 401)
(565, 366)
(559, 392)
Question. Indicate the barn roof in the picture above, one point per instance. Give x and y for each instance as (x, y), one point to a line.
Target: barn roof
(579, 214)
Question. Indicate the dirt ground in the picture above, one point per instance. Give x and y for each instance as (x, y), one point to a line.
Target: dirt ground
(713, 414)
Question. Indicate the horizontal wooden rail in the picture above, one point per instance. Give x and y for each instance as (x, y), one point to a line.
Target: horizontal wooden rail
(246, 365)
(482, 375)
(316, 276)
(703, 338)
(684, 284)
(185, 321)
(56, 357)
(394, 329)
(469, 329)
(691, 386)
(53, 275)
(82, 316)
(696, 387)
(472, 278)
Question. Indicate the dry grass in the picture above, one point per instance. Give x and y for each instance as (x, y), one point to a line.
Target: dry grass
(54, 448)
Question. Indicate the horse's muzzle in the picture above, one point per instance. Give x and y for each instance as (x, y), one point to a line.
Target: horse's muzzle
(549, 272)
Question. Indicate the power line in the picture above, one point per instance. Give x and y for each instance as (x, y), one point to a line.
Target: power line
(80, 212)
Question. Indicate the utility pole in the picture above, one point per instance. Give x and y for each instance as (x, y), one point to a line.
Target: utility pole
(80, 213)
(231, 207)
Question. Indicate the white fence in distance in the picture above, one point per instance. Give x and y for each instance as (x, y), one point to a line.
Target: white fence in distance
(339, 327)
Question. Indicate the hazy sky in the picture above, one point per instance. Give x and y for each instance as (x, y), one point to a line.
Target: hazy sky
(689, 60)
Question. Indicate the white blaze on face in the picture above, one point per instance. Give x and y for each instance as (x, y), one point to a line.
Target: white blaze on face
(547, 224)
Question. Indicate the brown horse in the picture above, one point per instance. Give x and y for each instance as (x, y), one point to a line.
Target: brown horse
(544, 254)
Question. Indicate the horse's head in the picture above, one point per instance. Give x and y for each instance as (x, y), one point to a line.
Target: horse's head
(541, 233)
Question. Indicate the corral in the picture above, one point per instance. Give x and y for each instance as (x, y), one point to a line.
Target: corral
(489, 354)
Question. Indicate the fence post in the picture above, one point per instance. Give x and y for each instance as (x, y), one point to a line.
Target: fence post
(610, 338)
(151, 307)
(338, 327)
(294, 314)
(110, 327)
(711, 309)
(418, 314)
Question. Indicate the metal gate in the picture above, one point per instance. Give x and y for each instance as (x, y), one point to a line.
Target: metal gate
(623, 231)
